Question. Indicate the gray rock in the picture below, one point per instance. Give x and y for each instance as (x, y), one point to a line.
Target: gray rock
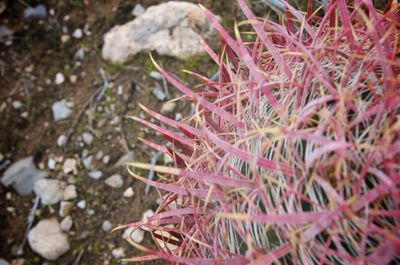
(35, 13)
(77, 34)
(3, 262)
(65, 208)
(81, 204)
(22, 175)
(128, 157)
(159, 93)
(99, 155)
(17, 104)
(115, 181)
(79, 55)
(60, 110)
(156, 75)
(168, 107)
(87, 138)
(95, 174)
(106, 159)
(70, 193)
(66, 223)
(61, 140)
(118, 252)
(87, 162)
(136, 234)
(138, 10)
(50, 191)
(106, 226)
(173, 35)
(48, 240)
(5, 32)
(51, 163)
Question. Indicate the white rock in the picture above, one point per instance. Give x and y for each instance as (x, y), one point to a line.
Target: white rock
(157, 29)
(73, 79)
(115, 181)
(59, 79)
(90, 212)
(106, 226)
(168, 107)
(95, 174)
(24, 114)
(120, 90)
(79, 55)
(136, 235)
(60, 110)
(22, 175)
(87, 138)
(106, 159)
(77, 34)
(118, 252)
(159, 93)
(147, 214)
(48, 240)
(3, 262)
(50, 191)
(70, 193)
(51, 163)
(61, 140)
(81, 204)
(156, 75)
(65, 208)
(128, 193)
(87, 162)
(99, 155)
(66, 223)
(138, 10)
(65, 38)
(70, 166)
(17, 104)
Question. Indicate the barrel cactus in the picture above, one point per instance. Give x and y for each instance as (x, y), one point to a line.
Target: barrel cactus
(293, 155)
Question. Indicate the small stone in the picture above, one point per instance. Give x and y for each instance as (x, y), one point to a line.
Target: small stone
(77, 34)
(115, 120)
(106, 159)
(61, 140)
(35, 13)
(168, 107)
(65, 38)
(60, 110)
(8, 196)
(118, 253)
(48, 240)
(120, 90)
(3, 262)
(106, 226)
(51, 163)
(90, 212)
(87, 162)
(60, 78)
(136, 234)
(156, 75)
(50, 191)
(159, 93)
(70, 193)
(66, 223)
(24, 114)
(99, 155)
(147, 214)
(87, 138)
(70, 166)
(115, 181)
(79, 55)
(81, 204)
(168, 159)
(95, 174)
(128, 193)
(65, 208)
(17, 104)
(138, 10)
(73, 79)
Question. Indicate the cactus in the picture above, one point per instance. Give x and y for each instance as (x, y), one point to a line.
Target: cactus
(293, 155)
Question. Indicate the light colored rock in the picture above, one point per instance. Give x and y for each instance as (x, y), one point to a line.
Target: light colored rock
(128, 193)
(65, 38)
(147, 214)
(24, 114)
(35, 13)
(66, 223)
(138, 10)
(17, 104)
(168, 107)
(106, 226)
(95, 174)
(87, 162)
(70, 166)
(3, 262)
(79, 55)
(73, 79)
(22, 175)
(156, 75)
(65, 208)
(115, 181)
(61, 140)
(51, 163)
(60, 110)
(106, 159)
(50, 191)
(90, 212)
(81, 204)
(174, 35)
(59, 79)
(77, 34)
(99, 155)
(118, 252)
(48, 240)
(87, 138)
(136, 235)
(70, 193)
(158, 92)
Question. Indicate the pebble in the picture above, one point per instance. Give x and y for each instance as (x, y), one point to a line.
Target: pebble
(60, 110)
(51, 163)
(115, 120)
(115, 181)
(156, 75)
(90, 212)
(3, 262)
(128, 193)
(106, 159)
(8, 196)
(120, 90)
(70, 166)
(77, 34)
(65, 38)
(17, 104)
(87, 162)
(138, 10)
(35, 13)
(159, 93)
(81, 204)
(70, 193)
(95, 174)
(65, 208)
(99, 155)
(24, 114)
(87, 138)
(118, 252)
(50, 191)
(147, 214)
(61, 140)
(168, 107)
(66, 223)
(136, 234)
(48, 240)
(59, 79)
(73, 79)
(106, 226)
(79, 54)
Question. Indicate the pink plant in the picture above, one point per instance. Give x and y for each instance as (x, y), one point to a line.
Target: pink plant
(293, 155)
